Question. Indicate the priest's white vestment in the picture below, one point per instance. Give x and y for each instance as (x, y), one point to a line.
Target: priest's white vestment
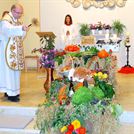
(9, 75)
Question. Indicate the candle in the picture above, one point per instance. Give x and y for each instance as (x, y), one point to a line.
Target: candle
(127, 41)
(106, 36)
(127, 34)
(114, 37)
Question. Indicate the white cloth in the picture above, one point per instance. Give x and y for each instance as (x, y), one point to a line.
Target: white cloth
(68, 39)
(9, 79)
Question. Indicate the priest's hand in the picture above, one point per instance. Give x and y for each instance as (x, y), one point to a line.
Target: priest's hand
(25, 28)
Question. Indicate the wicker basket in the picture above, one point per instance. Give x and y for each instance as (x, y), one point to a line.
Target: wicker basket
(88, 40)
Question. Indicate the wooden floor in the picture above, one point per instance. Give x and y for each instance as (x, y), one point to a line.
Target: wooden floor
(125, 91)
(32, 92)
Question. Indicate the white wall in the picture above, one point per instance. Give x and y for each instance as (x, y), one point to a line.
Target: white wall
(31, 10)
(5, 5)
(54, 11)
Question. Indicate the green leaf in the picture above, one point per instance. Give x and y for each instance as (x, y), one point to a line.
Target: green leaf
(81, 96)
(97, 92)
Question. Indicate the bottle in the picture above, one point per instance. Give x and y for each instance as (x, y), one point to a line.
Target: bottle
(85, 83)
(71, 87)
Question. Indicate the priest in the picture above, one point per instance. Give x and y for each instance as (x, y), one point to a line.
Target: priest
(12, 33)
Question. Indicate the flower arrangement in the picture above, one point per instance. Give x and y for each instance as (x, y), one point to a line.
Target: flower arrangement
(100, 26)
(75, 128)
(89, 109)
(47, 58)
(107, 27)
(93, 26)
(86, 111)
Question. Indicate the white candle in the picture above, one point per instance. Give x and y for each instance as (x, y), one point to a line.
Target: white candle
(127, 41)
(127, 34)
(106, 36)
(114, 37)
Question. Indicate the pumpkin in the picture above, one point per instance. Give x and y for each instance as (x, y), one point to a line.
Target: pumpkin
(103, 54)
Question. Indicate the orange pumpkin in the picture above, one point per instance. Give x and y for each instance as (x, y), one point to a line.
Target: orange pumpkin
(103, 54)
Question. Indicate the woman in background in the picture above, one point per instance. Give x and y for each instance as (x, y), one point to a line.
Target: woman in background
(68, 31)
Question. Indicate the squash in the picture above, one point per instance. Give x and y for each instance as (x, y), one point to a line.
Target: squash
(62, 93)
(103, 54)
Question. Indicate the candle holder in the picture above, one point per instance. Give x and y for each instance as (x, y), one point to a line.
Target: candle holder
(128, 65)
(127, 69)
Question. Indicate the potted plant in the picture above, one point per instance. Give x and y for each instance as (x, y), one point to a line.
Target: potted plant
(107, 28)
(93, 28)
(118, 27)
(100, 27)
(85, 32)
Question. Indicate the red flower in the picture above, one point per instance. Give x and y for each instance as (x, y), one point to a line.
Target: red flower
(110, 51)
(68, 132)
(82, 130)
(70, 127)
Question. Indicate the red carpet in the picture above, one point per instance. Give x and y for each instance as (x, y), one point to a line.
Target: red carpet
(126, 70)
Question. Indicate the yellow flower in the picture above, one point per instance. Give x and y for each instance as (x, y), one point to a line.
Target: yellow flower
(63, 129)
(100, 74)
(95, 74)
(104, 76)
(76, 124)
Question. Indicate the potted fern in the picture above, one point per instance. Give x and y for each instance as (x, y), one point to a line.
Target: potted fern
(118, 27)
(85, 32)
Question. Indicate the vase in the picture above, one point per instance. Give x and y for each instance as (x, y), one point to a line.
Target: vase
(100, 32)
(93, 31)
(49, 79)
(107, 31)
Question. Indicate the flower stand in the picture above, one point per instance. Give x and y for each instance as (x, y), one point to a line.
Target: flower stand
(49, 79)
